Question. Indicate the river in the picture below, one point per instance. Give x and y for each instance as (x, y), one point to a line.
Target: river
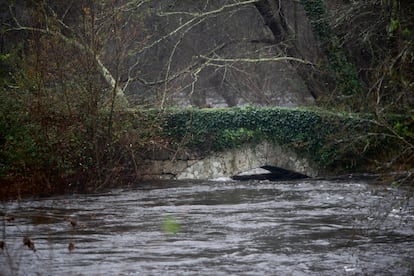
(301, 227)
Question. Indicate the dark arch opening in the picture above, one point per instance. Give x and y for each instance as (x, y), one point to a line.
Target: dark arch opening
(269, 173)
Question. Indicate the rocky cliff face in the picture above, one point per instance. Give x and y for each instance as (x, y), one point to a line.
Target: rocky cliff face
(199, 65)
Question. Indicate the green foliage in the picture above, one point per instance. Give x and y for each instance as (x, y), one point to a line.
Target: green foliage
(233, 137)
(18, 147)
(403, 126)
(51, 130)
(327, 138)
(406, 33)
(377, 37)
(348, 82)
(393, 26)
(402, 130)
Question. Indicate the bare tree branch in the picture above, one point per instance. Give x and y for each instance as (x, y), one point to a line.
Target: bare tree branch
(106, 74)
(256, 60)
(196, 16)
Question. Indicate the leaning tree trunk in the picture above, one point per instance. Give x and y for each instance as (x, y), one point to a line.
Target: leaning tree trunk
(272, 12)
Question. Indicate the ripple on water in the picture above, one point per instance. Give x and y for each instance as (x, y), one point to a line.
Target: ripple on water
(303, 227)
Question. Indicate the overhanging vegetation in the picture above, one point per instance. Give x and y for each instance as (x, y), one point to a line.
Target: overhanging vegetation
(335, 141)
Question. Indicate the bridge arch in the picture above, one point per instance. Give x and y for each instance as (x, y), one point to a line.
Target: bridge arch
(236, 161)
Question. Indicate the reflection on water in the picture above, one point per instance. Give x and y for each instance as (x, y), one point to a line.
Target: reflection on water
(303, 227)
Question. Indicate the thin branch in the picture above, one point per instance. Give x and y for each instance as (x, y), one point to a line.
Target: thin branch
(197, 16)
(208, 13)
(192, 68)
(102, 68)
(256, 60)
(167, 74)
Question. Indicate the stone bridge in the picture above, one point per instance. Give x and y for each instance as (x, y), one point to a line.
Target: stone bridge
(233, 163)
(215, 143)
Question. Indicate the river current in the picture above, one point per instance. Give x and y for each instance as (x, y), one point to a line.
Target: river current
(302, 227)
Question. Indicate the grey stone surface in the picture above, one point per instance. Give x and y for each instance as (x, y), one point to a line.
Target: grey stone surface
(230, 163)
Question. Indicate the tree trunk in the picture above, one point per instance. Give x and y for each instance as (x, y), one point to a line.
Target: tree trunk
(272, 12)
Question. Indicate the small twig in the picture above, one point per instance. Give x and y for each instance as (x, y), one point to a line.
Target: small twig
(256, 60)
